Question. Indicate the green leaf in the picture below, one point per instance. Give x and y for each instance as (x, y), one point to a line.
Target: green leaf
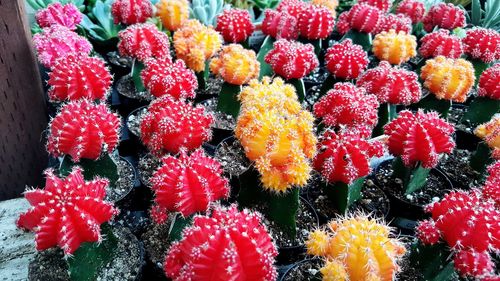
(418, 178)
(267, 45)
(343, 195)
(384, 112)
(180, 224)
(136, 75)
(476, 12)
(481, 110)
(479, 68)
(360, 38)
(327, 85)
(430, 102)
(104, 167)
(86, 262)
(228, 99)
(299, 87)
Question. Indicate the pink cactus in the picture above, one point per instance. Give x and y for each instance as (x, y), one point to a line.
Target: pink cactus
(143, 41)
(397, 22)
(316, 23)
(413, 9)
(235, 25)
(483, 44)
(441, 43)
(158, 214)
(131, 11)
(383, 5)
(66, 15)
(446, 16)
(346, 60)
(280, 25)
(291, 59)
(489, 83)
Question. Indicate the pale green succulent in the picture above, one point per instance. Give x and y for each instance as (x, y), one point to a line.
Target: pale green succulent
(487, 18)
(98, 22)
(206, 11)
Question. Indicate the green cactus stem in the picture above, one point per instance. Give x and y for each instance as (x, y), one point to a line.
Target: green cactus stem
(267, 45)
(386, 113)
(414, 178)
(228, 99)
(104, 167)
(360, 38)
(481, 110)
(343, 195)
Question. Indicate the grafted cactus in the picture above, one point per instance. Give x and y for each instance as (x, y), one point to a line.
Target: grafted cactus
(441, 43)
(394, 47)
(483, 44)
(66, 15)
(414, 9)
(446, 16)
(131, 11)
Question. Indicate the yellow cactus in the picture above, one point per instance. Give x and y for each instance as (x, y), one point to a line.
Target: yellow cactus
(359, 249)
(394, 47)
(195, 43)
(331, 5)
(173, 13)
(447, 78)
(279, 140)
(490, 133)
(235, 64)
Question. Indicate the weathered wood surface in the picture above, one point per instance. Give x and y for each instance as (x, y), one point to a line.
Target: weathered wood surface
(22, 104)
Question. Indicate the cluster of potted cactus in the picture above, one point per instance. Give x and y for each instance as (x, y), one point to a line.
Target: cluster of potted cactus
(268, 140)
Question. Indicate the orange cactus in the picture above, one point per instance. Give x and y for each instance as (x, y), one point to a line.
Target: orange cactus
(329, 4)
(447, 78)
(173, 13)
(235, 64)
(394, 47)
(195, 43)
(490, 133)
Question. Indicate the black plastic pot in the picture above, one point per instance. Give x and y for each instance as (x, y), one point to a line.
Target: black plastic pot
(128, 104)
(130, 143)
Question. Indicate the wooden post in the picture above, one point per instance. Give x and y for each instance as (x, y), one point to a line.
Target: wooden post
(22, 104)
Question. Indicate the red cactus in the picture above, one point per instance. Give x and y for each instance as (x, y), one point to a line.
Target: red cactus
(345, 157)
(66, 15)
(142, 41)
(280, 25)
(343, 23)
(227, 245)
(291, 59)
(441, 43)
(293, 7)
(158, 214)
(83, 129)
(58, 41)
(316, 23)
(346, 60)
(131, 11)
(78, 76)
(442, 15)
(393, 85)
(489, 83)
(419, 137)
(364, 18)
(189, 183)
(413, 9)
(383, 5)
(427, 232)
(397, 22)
(67, 212)
(484, 44)
(171, 125)
(235, 25)
(491, 188)
(164, 77)
(349, 106)
(473, 263)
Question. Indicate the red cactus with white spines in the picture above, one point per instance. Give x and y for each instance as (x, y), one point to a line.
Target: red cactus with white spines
(78, 76)
(419, 137)
(427, 232)
(363, 18)
(158, 214)
(446, 16)
(345, 157)
(164, 77)
(293, 7)
(489, 83)
(392, 85)
(189, 183)
(143, 41)
(67, 212)
(58, 41)
(226, 245)
(280, 25)
(291, 59)
(397, 22)
(343, 25)
(130, 12)
(383, 5)
(66, 15)
(472, 263)
(491, 187)
(441, 43)
(83, 129)
(349, 106)
(171, 125)
(235, 25)
(315, 23)
(346, 60)
(413, 9)
(483, 44)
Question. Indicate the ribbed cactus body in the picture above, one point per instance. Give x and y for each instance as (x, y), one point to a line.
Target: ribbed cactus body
(290, 59)
(346, 60)
(394, 47)
(383, 5)
(66, 15)
(235, 25)
(131, 11)
(489, 132)
(414, 9)
(489, 83)
(361, 17)
(483, 44)
(143, 41)
(491, 188)
(235, 64)
(397, 22)
(441, 43)
(280, 25)
(446, 16)
(173, 13)
(315, 23)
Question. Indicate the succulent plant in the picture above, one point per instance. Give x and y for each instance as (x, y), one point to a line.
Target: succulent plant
(206, 11)
(292, 60)
(390, 84)
(189, 183)
(235, 64)
(130, 12)
(346, 60)
(235, 25)
(357, 248)
(315, 23)
(280, 25)
(143, 41)
(491, 188)
(446, 16)
(99, 24)
(413, 9)
(227, 243)
(164, 77)
(489, 83)
(482, 44)
(67, 212)
(361, 17)
(398, 22)
(293, 7)
(449, 79)
(394, 47)
(78, 76)
(158, 214)
(383, 5)
(170, 125)
(489, 132)
(173, 13)
(441, 43)
(83, 129)
(57, 41)
(329, 4)
(66, 15)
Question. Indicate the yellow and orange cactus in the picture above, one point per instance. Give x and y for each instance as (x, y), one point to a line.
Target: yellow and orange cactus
(356, 248)
(173, 13)
(331, 5)
(279, 140)
(235, 64)
(490, 133)
(195, 43)
(448, 78)
(394, 47)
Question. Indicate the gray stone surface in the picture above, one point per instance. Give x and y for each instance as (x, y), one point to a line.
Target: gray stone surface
(17, 248)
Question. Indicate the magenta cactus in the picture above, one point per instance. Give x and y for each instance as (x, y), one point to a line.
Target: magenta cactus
(346, 60)
(66, 15)
(441, 43)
